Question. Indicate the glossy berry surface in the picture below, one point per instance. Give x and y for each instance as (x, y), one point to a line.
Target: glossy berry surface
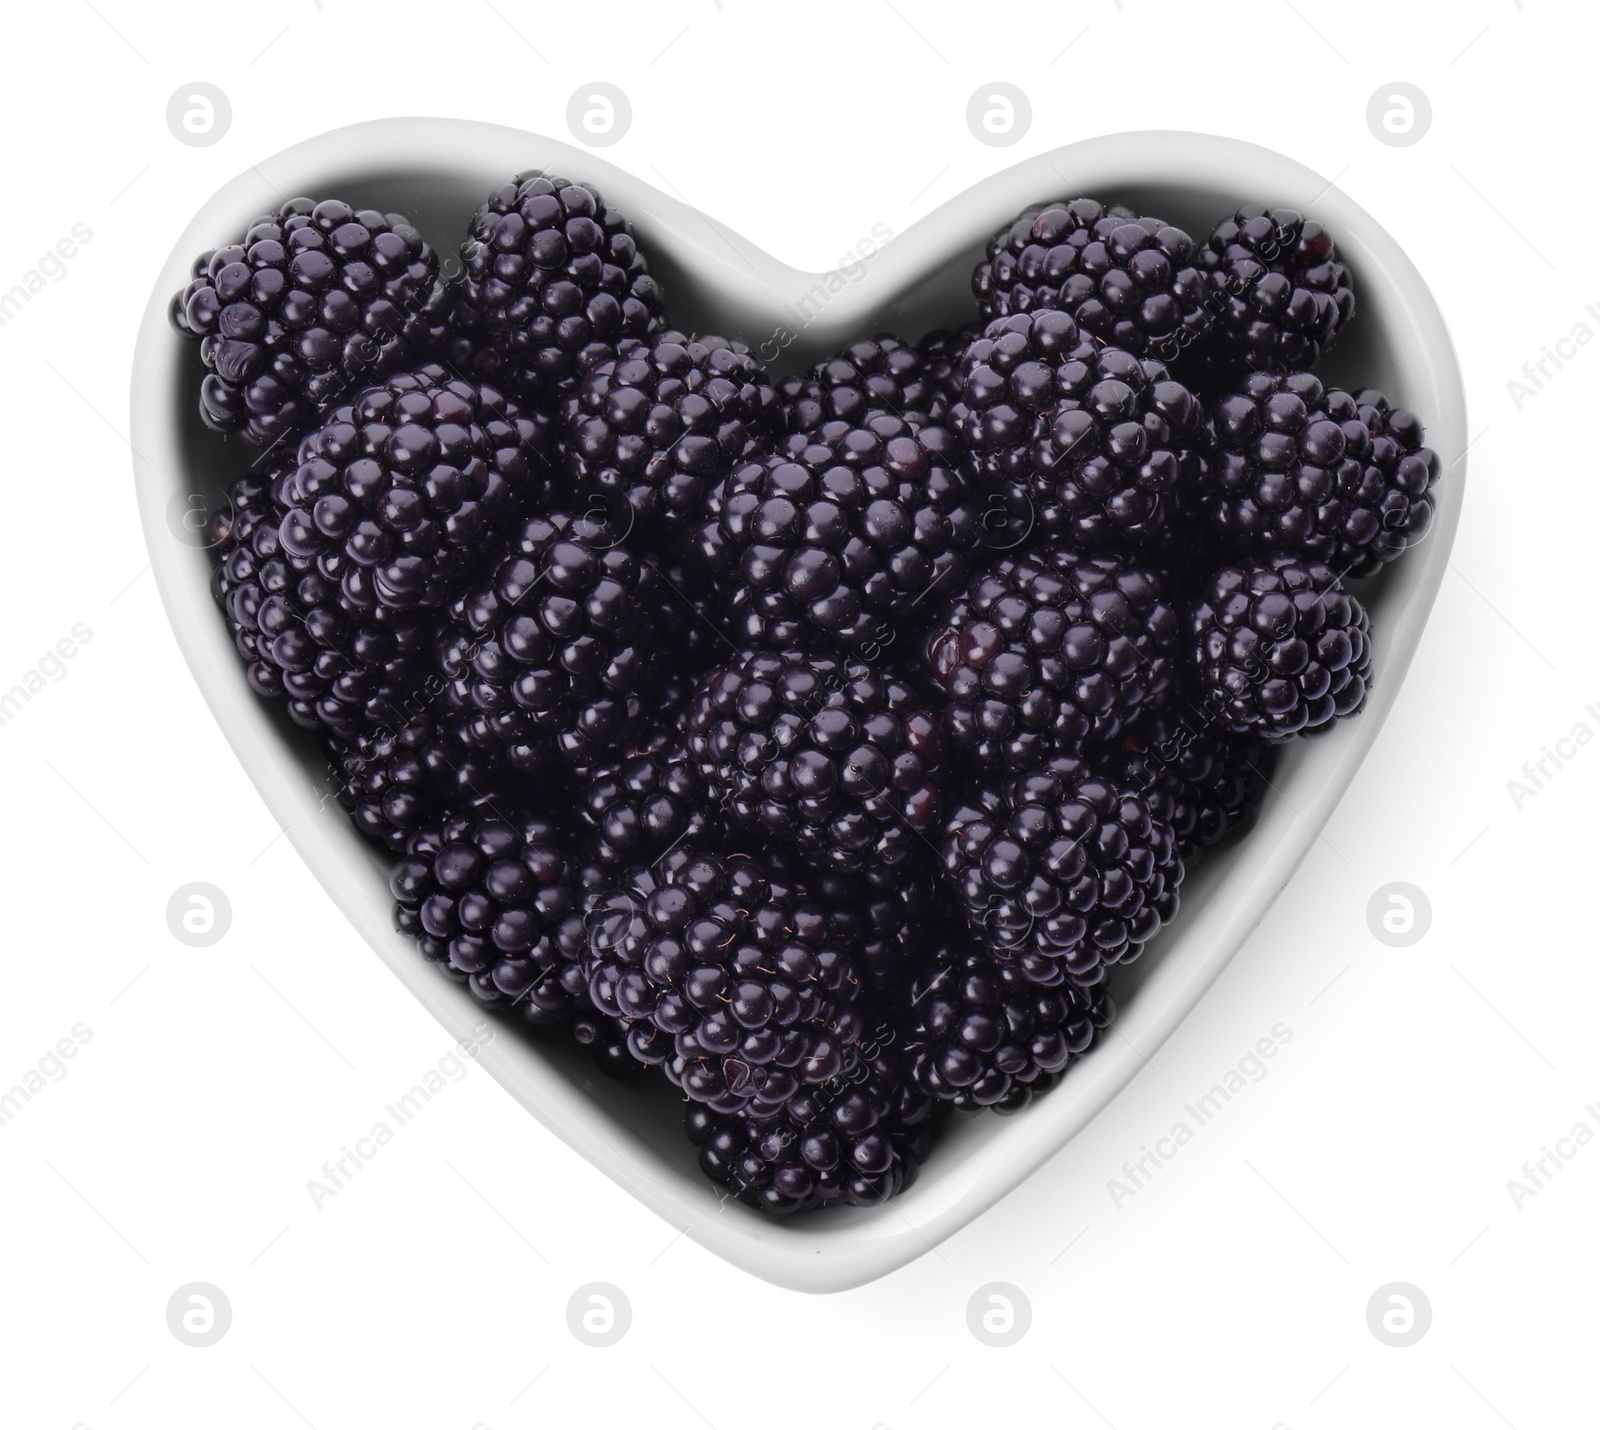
(1048, 649)
(1064, 870)
(347, 672)
(734, 980)
(980, 1034)
(1278, 291)
(645, 801)
(1203, 780)
(1128, 281)
(840, 761)
(843, 536)
(1317, 472)
(397, 494)
(497, 901)
(1093, 444)
(882, 374)
(1279, 648)
(316, 299)
(659, 426)
(549, 659)
(857, 1140)
(553, 283)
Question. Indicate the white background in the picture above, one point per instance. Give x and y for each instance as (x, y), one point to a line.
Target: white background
(431, 1292)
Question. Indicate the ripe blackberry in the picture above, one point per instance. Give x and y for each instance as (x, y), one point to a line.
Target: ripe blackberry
(1277, 290)
(497, 902)
(397, 778)
(316, 299)
(1203, 780)
(740, 976)
(1131, 282)
(978, 1034)
(882, 374)
(1102, 448)
(1064, 870)
(858, 1139)
(835, 758)
(400, 490)
(1318, 473)
(660, 425)
(1279, 648)
(1049, 649)
(842, 536)
(547, 660)
(553, 284)
(346, 672)
(646, 800)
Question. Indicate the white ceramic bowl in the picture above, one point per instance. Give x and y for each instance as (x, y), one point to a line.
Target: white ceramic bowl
(435, 171)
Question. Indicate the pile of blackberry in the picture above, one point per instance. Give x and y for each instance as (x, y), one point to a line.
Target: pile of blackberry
(817, 744)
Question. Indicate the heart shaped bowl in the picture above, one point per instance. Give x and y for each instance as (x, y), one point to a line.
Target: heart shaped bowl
(436, 171)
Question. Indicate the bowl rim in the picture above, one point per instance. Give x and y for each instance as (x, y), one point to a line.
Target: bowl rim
(845, 1247)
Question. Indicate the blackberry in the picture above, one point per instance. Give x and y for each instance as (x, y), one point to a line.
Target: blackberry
(346, 672)
(882, 374)
(841, 536)
(315, 299)
(1064, 870)
(643, 802)
(400, 490)
(1318, 473)
(499, 903)
(1131, 282)
(737, 977)
(553, 283)
(607, 1043)
(396, 778)
(1210, 781)
(1278, 292)
(1049, 649)
(548, 659)
(661, 424)
(1279, 648)
(858, 1140)
(979, 1034)
(835, 758)
(1102, 448)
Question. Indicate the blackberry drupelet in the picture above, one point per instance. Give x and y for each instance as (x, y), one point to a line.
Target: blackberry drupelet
(553, 284)
(857, 1140)
(1102, 448)
(835, 758)
(646, 800)
(661, 424)
(548, 660)
(346, 672)
(882, 374)
(499, 903)
(1128, 281)
(978, 1034)
(1277, 290)
(843, 536)
(1048, 649)
(315, 300)
(736, 976)
(1316, 472)
(1205, 781)
(399, 492)
(1063, 870)
(1279, 648)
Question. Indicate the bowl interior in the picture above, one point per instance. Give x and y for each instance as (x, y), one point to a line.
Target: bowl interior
(716, 282)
